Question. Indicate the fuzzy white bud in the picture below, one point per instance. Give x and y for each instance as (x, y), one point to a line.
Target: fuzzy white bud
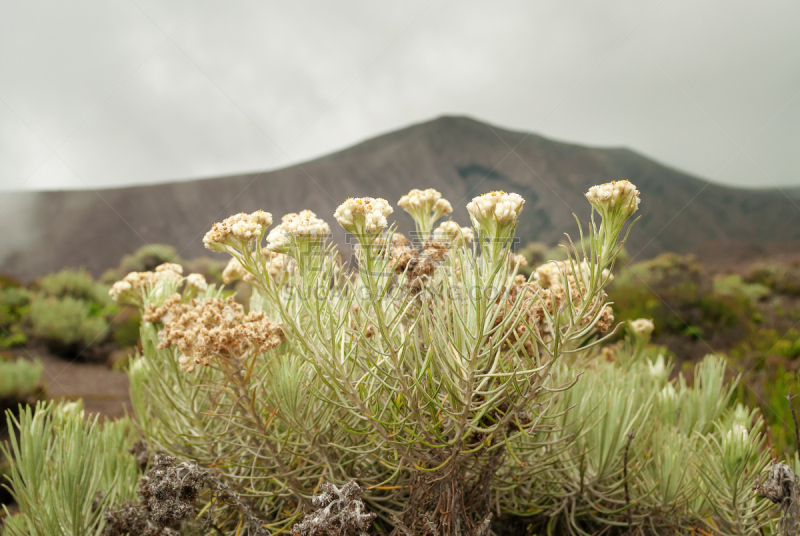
(364, 216)
(242, 227)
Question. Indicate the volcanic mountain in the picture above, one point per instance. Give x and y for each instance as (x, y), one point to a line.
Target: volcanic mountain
(459, 156)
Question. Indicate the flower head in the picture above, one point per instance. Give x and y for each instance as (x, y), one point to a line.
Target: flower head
(495, 216)
(451, 233)
(735, 448)
(425, 206)
(170, 267)
(495, 208)
(301, 229)
(119, 291)
(615, 199)
(212, 330)
(135, 284)
(551, 273)
(364, 217)
(237, 230)
(642, 326)
(196, 282)
(233, 271)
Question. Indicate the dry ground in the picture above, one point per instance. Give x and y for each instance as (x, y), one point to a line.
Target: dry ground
(104, 391)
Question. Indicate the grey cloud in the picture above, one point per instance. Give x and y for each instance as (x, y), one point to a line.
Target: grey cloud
(688, 83)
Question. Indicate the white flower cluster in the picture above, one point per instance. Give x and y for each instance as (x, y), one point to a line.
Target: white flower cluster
(242, 226)
(136, 282)
(119, 290)
(304, 226)
(614, 198)
(170, 267)
(234, 271)
(197, 282)
(642, 326)
(423, 202)
(363, 216)
(551, 273)
(166, 271)
(278, 263)
(453, 234)
(495, 207)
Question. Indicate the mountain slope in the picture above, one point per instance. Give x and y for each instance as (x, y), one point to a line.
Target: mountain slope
(458, 156)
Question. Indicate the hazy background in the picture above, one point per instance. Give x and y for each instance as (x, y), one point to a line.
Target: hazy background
(111, 93)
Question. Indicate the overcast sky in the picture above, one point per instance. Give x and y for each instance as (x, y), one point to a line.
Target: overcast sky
(117, 92)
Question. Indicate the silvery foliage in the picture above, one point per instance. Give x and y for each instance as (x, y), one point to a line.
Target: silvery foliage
(446, 419)
(67, 470)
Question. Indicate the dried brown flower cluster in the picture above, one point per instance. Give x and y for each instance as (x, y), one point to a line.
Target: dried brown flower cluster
(577, 295)
(551, 300)
(367, 329)
(213, 329)
(417, 265)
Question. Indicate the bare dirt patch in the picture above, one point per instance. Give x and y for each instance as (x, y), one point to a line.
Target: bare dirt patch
(103, 391)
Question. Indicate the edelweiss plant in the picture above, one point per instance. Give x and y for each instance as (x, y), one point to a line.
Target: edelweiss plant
(424, 373)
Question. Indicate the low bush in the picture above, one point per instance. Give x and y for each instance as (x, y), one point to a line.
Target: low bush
(19, 379)
(782, 278)
(71, 312)
(462, 396)
(77, 284)
(69, 326)
(452, 407)
(146, 258)
(125, 328)
(14, 307)
(687, 303)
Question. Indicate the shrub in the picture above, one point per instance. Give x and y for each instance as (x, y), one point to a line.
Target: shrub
(683, 300)
(14, 307)
(147, 258)
(426, 364)
(71, 312)
(77, 284)
(451, 388)
(68, 325)
(782, 278)
(210, 268)
(672, 440)
(19, 379)
(125, 328)
(67, 470)
(733, 284)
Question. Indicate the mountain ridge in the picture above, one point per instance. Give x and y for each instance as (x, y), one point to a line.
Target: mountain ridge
(459, 156)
